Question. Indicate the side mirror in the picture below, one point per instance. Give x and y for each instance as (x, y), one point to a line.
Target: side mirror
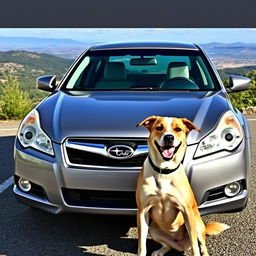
(46, 83)
(238, 84)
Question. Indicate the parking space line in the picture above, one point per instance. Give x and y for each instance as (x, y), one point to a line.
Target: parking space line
(252, 119)
(6, 184)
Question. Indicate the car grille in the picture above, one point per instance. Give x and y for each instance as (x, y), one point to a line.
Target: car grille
(93, 152)
(102, 199)
(86, 158)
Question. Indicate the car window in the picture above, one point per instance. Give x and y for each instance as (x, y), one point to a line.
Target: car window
(108, 71)
(76, 77)
(159, 68)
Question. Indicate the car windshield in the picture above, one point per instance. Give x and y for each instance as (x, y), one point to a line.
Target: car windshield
(141, 70)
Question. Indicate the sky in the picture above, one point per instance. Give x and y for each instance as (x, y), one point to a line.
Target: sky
(245, 35)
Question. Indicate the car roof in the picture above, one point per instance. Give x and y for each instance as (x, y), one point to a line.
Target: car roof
(144, 45)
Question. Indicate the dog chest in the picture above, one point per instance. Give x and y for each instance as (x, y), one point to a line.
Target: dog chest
(164, 212)
(164, 185)
(162, 196)
(160, 187)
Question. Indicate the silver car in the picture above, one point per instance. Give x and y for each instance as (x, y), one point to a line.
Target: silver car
(79, 150)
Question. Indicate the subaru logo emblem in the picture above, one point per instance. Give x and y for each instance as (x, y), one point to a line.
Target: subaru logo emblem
(120, 152)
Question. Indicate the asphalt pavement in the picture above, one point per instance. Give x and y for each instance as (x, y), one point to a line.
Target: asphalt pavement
(28, 232)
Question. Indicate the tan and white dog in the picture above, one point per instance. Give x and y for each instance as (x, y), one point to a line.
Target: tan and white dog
(164, 194)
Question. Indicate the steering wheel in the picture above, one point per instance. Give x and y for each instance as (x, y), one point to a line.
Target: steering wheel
(180, 83)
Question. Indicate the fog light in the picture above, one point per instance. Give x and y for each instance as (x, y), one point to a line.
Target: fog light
(232, 189)
(24, 184)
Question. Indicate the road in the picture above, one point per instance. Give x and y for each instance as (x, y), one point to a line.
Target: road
(27, 232)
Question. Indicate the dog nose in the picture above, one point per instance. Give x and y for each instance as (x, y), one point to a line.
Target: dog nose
(168, 138)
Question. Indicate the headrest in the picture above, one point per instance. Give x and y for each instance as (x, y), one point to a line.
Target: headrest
(114, 71)
(178, 69)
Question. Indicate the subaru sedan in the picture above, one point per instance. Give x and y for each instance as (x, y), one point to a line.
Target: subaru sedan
(79, 150)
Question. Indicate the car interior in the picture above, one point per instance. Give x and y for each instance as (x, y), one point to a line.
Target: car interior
(143, 73)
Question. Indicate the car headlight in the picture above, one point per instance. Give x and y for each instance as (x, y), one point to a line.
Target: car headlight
(30, 134)
(226, 136)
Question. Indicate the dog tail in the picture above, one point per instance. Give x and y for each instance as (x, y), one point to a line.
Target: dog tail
(215, 228)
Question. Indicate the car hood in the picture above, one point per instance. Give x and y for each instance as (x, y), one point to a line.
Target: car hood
(115, 114)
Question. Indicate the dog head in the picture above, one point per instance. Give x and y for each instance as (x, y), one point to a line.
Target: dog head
(167, 139)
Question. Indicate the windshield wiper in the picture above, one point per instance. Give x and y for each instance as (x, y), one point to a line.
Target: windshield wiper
(148, 88)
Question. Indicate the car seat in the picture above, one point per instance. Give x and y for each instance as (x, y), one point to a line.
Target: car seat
(114, 77)
(178, 77)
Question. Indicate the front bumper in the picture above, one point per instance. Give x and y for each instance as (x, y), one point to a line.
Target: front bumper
(55, 177)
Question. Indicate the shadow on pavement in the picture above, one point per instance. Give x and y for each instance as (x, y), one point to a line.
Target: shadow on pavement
(6, 157)
(28, 232)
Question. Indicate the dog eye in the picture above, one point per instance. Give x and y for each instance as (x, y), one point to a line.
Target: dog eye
(159, 128)
(177, 129)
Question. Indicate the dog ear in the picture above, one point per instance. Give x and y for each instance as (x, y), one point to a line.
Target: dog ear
(148, 122)
(190, 125)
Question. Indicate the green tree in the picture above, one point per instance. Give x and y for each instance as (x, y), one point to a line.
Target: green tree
(14, 103)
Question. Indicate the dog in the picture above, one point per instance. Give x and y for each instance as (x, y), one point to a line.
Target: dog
(164, 195)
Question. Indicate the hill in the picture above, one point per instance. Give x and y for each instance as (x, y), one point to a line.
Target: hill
(224, 55)
(241, 71)
(231, 55)
(65, 48)
(27, 66)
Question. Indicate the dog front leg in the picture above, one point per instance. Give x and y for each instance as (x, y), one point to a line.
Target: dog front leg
(191, 226)
(143, 226)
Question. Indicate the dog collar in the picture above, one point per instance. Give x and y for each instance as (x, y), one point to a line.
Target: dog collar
(162, 170)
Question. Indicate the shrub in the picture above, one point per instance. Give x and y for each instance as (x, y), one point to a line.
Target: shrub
(14, 103)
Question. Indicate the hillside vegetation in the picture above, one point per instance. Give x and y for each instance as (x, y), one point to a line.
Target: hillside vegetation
(14, 102)
(27, 66)
(225, 73)
(24, 67)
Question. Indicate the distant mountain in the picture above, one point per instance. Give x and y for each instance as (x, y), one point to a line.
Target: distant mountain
(223, 55)
(231, 55)
(66, 48)
(237, 50)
